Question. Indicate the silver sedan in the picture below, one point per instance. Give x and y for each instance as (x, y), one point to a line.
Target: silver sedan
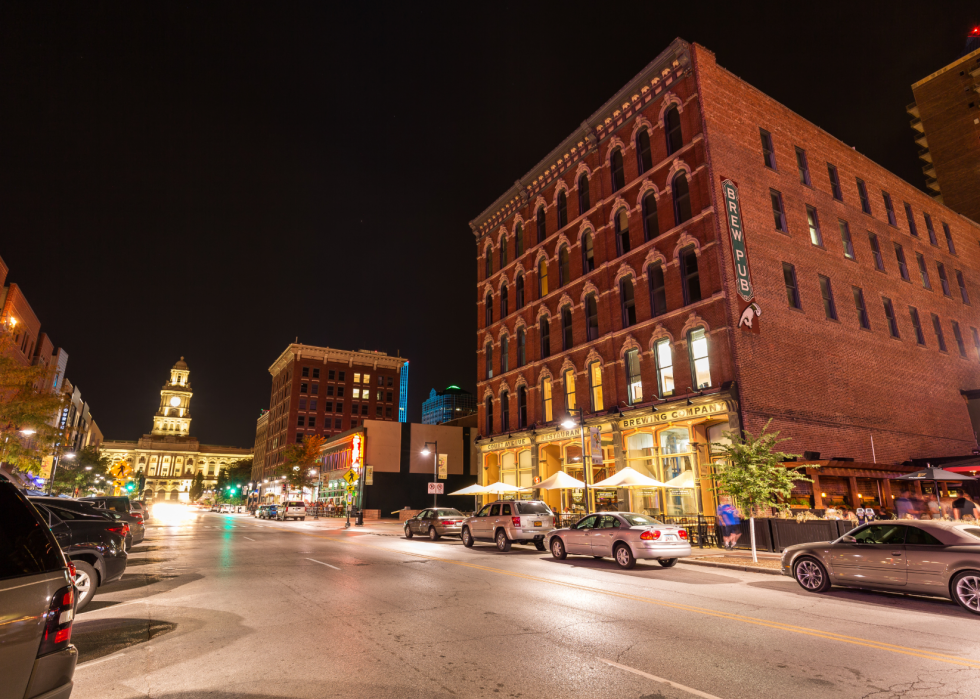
(626, 536)
(924, 557)
(435, 522)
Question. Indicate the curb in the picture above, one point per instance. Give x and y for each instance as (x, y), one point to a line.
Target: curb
(731, 566)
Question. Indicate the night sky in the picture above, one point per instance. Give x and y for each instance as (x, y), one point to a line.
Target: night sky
(216, 181)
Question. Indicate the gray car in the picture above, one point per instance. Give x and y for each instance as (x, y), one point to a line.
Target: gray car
(507, 522)
(928, 557)
(625, 536)
(435, 522)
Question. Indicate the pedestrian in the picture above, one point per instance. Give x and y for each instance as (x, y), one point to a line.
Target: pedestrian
(904, 506)
(963, 507)
(730, 521)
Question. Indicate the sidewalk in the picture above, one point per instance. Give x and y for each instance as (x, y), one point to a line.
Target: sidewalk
(739, 559)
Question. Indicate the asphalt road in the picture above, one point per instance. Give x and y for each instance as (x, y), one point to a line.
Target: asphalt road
(224, 606)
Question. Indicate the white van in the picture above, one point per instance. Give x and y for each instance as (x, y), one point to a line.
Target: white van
(295, 509)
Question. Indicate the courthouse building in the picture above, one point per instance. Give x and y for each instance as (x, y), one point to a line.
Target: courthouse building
(697, 258)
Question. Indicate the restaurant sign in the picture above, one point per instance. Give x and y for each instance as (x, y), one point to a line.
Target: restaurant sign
(676, 414)
(733, 213)
(509, 444)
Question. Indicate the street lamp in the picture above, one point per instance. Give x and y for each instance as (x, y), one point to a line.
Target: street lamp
(570, 424)
(435, 467)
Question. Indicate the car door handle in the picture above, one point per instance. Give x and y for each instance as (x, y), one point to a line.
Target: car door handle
(896, 553)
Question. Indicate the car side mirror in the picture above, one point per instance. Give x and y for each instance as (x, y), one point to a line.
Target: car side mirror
(848, 539)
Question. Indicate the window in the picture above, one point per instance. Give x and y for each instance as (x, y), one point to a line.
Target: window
(521, 347)
(316, 373)
(672, 129)
(313, 404)
(337, 422)
(504, 411)
(889, 208)
(932, 231)
(845, 236)
(890, 316)
(976, 340)
(357, 378)
(690, 283)
(504, 354)
(311, 422)
(938, 328)
(778, 215)
(962, 285)
(570, 402)
(959, 338)
(829, 307)
(627, 302)
(329, 390)
(547, 414)
(299, 438)
(328, 407)
(651, 224)
(588, 256)
(330, 375)
(792, 290)
(566, 328)
(923, 271)
(658, 290)
(306, 371)
(541, 226)
(622, 224)
(943, 279)
(616, 170)
(378, 411)
(634, 383)
(814, 223)
(835, 182)
(665, 367)
(503, 252)
(388, 397)
(488, 308)
(521, 407)
(503, 301)
(863, 193)
(519, 241)
(876, 251)
(949, 238)
(302, 404)
(300, 421)
(488, 354)
(315, 389)
(340, 390)
(387, 411)
(682, 199)
(542, 278)
(519, 288)
(583, 194)
(564, 266)
(644, 159)
(562, 209)
(768, 154)
(591, 318)
(595, 382)
(910, 217)
(862, 312)
(698, 343)
(903, 268)
(544, 330)
(488, 408)
(303, 387)
(489, 261)
(802, 167)
(920, 337)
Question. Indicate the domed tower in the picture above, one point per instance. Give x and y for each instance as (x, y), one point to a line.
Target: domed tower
(174, 415)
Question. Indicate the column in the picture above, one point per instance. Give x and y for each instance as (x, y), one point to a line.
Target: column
(817, 498)
(852, 486)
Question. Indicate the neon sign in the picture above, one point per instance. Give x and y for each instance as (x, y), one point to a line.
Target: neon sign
(355, 452)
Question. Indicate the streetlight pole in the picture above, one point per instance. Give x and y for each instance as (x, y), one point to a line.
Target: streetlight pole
(435, 468)
(586, 467)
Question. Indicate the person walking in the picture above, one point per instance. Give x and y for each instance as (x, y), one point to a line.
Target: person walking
(730, 521)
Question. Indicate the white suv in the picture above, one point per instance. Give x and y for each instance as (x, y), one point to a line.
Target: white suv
(507, 522)
(291, 510)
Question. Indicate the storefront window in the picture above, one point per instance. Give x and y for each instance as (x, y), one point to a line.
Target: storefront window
(677, 457)
(515, 469)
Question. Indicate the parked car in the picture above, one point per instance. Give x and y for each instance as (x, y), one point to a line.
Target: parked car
(94, 544)
(929, 557)
(626, 536)
(138, 506)
(508, 522)
(38, 599)
(435, 522)
(295, 509)
(135, 521)
(119, 503)
(269, 512)
(136, 527)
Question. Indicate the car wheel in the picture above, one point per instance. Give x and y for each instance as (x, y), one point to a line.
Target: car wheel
(408, 532)
(503, 543)
(433, 534)
(467, 538)
(624, 557)
(558, 548)
(966, 590)
(667, 562)
(811, 575)
(539, 545)
(86, 582)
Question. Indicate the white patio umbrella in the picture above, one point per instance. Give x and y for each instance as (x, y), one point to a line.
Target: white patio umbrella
(559, 481)
(629, 478)
(500, 487)
(685, 480)
(475, 489)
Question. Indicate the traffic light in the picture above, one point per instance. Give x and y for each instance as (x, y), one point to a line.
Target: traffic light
(130, 486)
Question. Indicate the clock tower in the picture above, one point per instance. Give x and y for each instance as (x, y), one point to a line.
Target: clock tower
(174, 415)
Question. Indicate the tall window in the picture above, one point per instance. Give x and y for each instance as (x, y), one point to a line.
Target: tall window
(489, 411)
(504, 354)
(488, 355)
(595, 383)
(519, 288)
(938, 329)
(622, 232)
(617, 172)
(665, 367)
(521, 407)
(690, 281)
(698, 343)
(504, 411)
(562, 209)
(845, 236)
(541, 226)
(962, 284)
(682, 199)
(792, 289)
(890, 316)
(488, 255)
(547, 413)
(566, 328)
(672, 129)
(768, 154)
(889, 208)
(834, 182)
(923, 272)
(503, 301)
(658, 290)
(542, 278)
(876, 251)
(570, 402)
(544, 331)
(813, 222)
(651, 224)
(488, 308)
(920, 337)
(778, 215)
(913, 230)
(627, 301)
(644, 159)
(958, 336)
(903, 268)
(588, 254)
(591, 317)
(943, 279)
(634, 383)
(583, 194)
(931, 230)
(503, 252)
(827, 292)
(863, 193)
(862, 311)
(802, 167)
(949, 239)
(521, 347)
(976, 341)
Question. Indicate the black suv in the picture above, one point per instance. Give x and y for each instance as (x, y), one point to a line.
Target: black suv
(119, 503)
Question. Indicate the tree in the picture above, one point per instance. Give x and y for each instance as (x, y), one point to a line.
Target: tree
(300, 462)
(239, 473)
(220, 487)
(81, 473)
(754, 473)
(197, 487)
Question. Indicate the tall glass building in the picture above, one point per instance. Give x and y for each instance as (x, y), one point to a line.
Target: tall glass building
(449, 404)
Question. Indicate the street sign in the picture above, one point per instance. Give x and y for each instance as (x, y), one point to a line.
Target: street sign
(350, 476)
(437, 488)
(443, 465)
(351, 489)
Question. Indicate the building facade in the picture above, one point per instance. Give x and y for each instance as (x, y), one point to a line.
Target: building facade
(449, 404)
(169, 458)
(697, 258)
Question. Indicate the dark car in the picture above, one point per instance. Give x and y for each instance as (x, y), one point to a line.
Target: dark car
(135, 520)
(37, 658)
(96, 546)
(435, 522)
(119, 503)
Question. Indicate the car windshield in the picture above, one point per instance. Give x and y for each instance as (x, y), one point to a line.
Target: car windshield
(449, 513)
(533, 508)
(638, 520)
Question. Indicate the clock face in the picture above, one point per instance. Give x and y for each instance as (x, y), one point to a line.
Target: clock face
(175, 401)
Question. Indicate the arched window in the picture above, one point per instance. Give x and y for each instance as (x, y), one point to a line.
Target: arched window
(489, 261)
(521, 407)
(658, 290)
(504, 411)
(622, 232)
(503, 301)
(617, 172)
(570, 401)
(566, 328)
(488, 310)
(644, 158)
(521, 347)
(588, 256)
(672, 129)
(544, 331)
(504, 355)
(488, 354)
(564, 266)
(542, 232)
(562, 209)
(583, 194)
(682, 199)
(519, 284)
(595, 385)
(665, 367)
(547, 412)
(690, 277)
(489, 411)
(503, 252)
(591, 317)
(651, 224)
(519, 241)
(627, 301)
(542, 278)
(634, 382)
(700, 366)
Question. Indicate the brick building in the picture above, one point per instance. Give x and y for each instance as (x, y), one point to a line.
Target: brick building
(834, 298)
(324, 391)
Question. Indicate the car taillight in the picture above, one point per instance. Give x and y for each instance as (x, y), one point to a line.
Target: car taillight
(138, 516)
(121, 529)
(58, 621)
(72, 572)
(650, 535)
(516, 521)
(682, 533)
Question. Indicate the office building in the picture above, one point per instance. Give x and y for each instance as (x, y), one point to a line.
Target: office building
(449, 404)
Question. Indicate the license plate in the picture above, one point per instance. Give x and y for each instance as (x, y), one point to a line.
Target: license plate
(537, 524)
(670, 537)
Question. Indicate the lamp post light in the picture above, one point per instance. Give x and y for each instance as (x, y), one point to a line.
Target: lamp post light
(570, 424)
(435, 467)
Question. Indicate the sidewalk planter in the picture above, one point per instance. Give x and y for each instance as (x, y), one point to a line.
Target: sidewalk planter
(774, 534)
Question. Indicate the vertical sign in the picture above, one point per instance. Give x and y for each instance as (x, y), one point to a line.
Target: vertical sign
(369, 475)
(443, 466)
(595, 444)
(733, 213)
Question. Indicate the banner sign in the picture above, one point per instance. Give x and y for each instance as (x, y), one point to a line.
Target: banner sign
(733, 213)
(595, 443)
(369, 475)
(443, 466)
